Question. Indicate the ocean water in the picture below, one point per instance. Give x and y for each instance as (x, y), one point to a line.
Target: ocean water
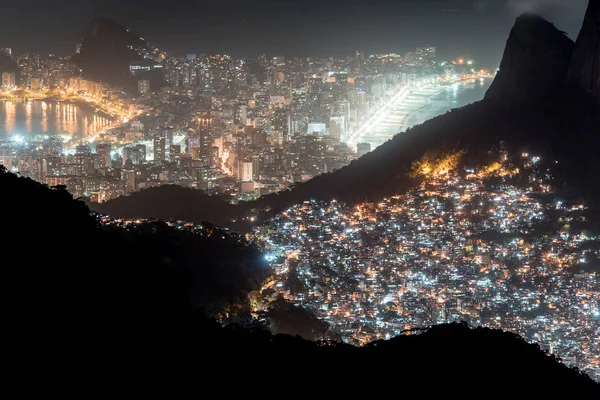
(38, 117)
(425, 104)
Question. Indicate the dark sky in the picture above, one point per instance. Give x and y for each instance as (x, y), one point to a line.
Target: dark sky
(470, 28)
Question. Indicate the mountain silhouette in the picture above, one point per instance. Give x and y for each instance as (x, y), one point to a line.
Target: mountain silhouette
(107, 49)
(535, 61)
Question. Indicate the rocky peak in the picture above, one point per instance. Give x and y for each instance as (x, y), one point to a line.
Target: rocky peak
(584, 71)
(535, 61)
(106, 50)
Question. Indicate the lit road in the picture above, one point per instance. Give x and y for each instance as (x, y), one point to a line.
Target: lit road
(355, 137)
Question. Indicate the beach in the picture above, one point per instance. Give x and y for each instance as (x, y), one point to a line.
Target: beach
(424, 104)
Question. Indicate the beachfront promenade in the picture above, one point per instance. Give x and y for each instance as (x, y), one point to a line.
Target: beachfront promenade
(407, 107)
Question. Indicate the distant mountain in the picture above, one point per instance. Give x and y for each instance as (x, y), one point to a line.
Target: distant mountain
(584, 71)
(535, 61)
(107, 49)
(81, 300)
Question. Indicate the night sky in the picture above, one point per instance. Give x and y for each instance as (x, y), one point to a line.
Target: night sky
(469, 28)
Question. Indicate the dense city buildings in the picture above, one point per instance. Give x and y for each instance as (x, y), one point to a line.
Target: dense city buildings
(238, 127)
(489, 246)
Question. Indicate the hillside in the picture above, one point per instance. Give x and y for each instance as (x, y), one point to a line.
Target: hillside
(97, 299)
(107, 49)
(528, 107)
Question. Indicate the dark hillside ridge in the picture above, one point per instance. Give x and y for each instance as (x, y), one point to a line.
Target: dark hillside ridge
(169, 202)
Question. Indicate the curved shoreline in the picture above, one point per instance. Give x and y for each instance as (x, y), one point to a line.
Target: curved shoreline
(39, 121)
(79, 103)
(413, 115)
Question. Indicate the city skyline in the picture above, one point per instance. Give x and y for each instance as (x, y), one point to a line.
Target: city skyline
(329, 28)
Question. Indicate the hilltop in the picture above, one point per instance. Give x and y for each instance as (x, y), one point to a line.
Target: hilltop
(170, 202)
(95, 299)
(107, 49)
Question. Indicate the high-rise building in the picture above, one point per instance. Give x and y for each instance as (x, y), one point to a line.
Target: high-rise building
(6, 158)
(168, 135)
(362, 149)
(132, 155)
(425, 57)
(335, 130)
(83, 149)
(240, 114)
(245, 171)
(174, 152)
(128, 176)
(142, 150)
(214, 157)
(190, 57)
(205, 136)
(256, 164)
(103, 152)
(8, 80)
(159, 148)
(53, 147)
(143, 86)
(7, 51)
(50, 166)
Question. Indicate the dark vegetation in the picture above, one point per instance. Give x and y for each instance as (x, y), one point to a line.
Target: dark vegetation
(216, 268)
(289, 319)
(97, 298)
(105, 54)
(170, 202)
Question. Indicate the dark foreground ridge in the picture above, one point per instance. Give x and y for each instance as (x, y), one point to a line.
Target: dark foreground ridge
(96, 301)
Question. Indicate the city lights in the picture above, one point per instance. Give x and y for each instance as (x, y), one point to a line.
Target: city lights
(445, 252)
